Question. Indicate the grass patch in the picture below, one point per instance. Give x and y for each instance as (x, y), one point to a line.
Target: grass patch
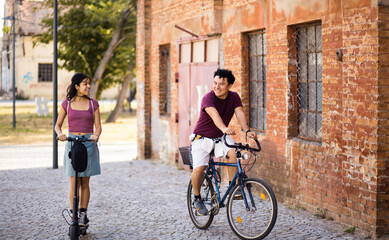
(350, 230)
(321, 213)
(29, 128)
(32, 129)
(298, 207)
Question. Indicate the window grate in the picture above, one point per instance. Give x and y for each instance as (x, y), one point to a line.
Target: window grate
(257, 76)
(45, 72)
(164, 81)
(309, 81)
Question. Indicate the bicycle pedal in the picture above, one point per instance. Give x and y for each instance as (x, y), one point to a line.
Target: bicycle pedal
(200, 215)
(84, 226)
(238, 197)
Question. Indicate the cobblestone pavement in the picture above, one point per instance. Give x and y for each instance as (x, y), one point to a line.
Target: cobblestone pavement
(132, 199)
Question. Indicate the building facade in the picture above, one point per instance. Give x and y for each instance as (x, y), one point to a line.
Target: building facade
(33, 62)
(314, 81)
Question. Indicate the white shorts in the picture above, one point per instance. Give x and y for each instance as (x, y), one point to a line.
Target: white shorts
(201, 148)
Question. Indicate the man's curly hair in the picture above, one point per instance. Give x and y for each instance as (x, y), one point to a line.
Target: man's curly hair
(225, 73)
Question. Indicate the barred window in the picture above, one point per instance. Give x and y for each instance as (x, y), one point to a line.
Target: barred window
(164, 80)
(45, 72)
(257, 74)
(309, 81)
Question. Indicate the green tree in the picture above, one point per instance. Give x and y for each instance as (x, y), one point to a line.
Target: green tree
(96, 37)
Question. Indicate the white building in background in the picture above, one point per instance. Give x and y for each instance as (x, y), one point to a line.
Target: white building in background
(33, 64)
(4, 82)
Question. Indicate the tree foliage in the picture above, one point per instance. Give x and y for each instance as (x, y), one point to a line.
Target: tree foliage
(85, 30)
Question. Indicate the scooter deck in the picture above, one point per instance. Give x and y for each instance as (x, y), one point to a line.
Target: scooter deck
(84, 226)
(83, 229)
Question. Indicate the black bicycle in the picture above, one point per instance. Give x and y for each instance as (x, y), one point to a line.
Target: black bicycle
(79, 157)
(251, 214)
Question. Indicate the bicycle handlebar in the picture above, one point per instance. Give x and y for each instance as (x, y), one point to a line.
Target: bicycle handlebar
(241, 146)
(79, 139)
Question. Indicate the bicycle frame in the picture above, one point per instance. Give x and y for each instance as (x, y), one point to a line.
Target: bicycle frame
(243, 196)
(238, 175)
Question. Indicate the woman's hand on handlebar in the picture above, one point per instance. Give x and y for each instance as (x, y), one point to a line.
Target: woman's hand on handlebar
(229, 131)
(94, 137)
(61, 137)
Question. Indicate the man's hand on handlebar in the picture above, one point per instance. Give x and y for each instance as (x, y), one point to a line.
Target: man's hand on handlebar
(252, 135)
(229, 131)
(241, 146)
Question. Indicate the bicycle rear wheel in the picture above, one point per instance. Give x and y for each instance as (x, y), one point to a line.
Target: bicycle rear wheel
(206, 191)
(257, 219)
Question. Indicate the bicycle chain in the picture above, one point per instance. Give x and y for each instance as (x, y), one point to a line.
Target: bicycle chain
(215, 201)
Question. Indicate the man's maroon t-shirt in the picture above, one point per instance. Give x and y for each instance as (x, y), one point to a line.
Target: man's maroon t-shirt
(226, 108)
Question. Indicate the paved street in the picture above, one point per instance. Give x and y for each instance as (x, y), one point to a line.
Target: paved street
(132, 199)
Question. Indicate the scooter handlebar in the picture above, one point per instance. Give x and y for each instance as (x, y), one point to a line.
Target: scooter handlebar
(79, 139)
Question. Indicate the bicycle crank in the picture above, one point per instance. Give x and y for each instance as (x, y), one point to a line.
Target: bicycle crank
(215, 205)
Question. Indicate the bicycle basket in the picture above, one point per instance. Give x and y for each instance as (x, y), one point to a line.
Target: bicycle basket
(186, 155)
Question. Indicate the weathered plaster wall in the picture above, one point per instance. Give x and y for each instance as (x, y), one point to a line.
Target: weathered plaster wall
(27, 59)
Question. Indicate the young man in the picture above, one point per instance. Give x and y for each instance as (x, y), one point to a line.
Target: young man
(217, 109)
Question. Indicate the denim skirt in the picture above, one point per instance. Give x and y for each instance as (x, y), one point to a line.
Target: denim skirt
(93, 167)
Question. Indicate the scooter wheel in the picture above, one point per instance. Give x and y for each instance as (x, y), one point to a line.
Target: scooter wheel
(83, 231)
(74, 232)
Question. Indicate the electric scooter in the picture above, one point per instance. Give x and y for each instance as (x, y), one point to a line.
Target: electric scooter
(79, 157)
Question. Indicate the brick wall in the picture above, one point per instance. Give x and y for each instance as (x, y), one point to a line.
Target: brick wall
(276, 169)
(347, 172)
(332, 40)
(359, 116)
(143, 41)
(383, 121)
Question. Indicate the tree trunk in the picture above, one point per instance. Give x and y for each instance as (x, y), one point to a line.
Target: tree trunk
(109, 53)
(131, 97)
(119, 101)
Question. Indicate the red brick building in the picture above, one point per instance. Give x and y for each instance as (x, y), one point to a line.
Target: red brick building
(314, 80)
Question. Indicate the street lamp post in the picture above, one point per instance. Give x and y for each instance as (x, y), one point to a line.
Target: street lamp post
(13, 71)
(13, 67)
(55, 87)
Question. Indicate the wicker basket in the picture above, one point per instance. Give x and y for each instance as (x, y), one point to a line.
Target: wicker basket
(186, 155)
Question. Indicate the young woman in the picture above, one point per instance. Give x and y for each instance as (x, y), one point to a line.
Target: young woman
(83, 120)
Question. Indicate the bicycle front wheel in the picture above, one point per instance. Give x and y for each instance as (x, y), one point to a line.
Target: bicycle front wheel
(206, 191)
(254, 216)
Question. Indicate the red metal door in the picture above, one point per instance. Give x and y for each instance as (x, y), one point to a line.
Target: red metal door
(201, 84)
(183, 105)
(195, 80)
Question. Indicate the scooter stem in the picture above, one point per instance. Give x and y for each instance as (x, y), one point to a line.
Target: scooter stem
(75, 201)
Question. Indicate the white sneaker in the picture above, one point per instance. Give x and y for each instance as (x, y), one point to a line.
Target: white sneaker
(82, 219)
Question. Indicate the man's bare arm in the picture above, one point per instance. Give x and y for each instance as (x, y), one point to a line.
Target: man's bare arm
(218, 121)
(239, 113)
